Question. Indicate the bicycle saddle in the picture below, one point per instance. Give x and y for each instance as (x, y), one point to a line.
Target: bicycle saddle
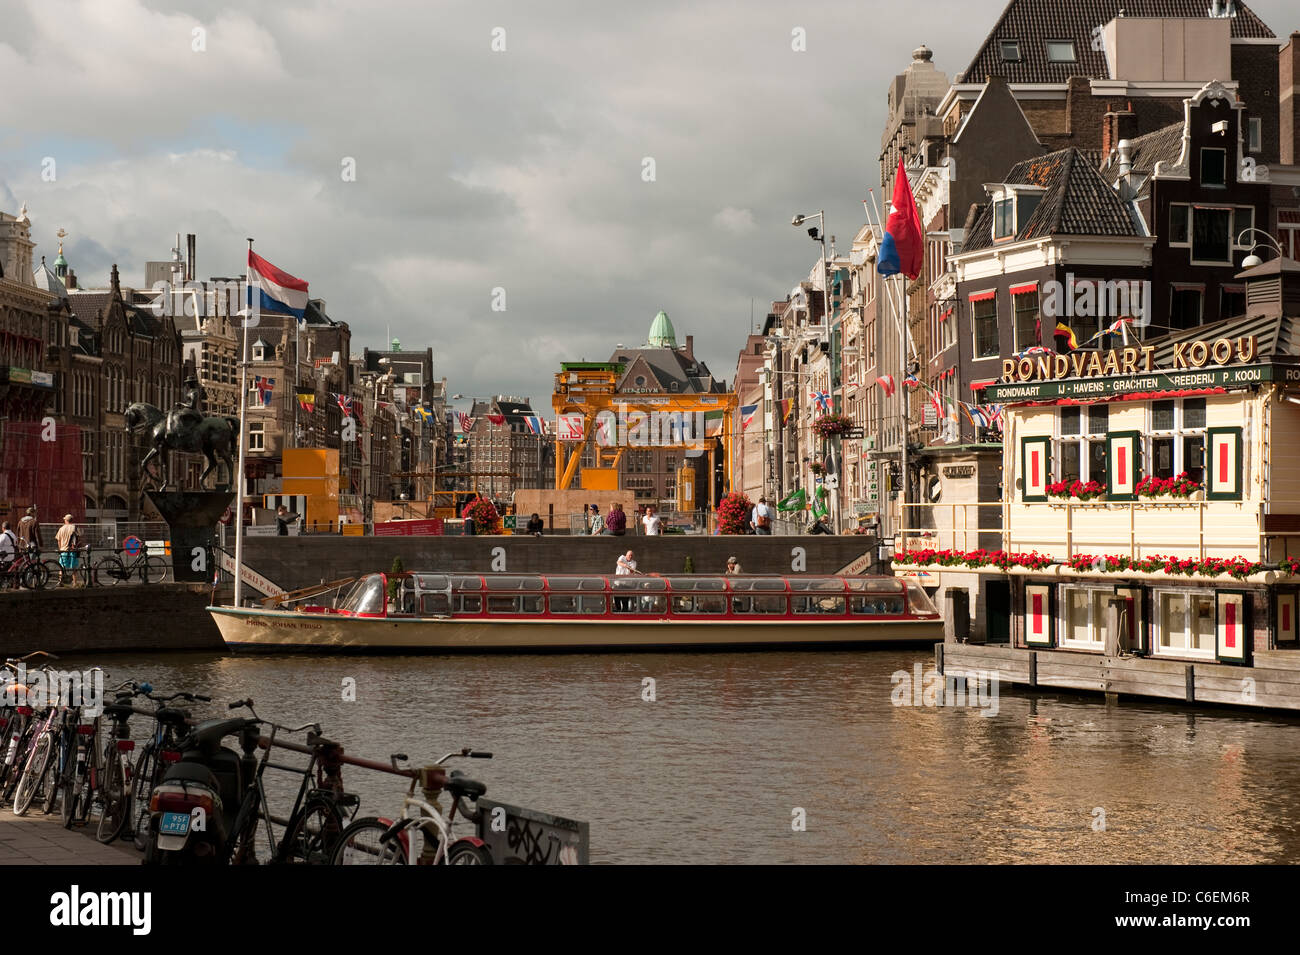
(462, 787)
(170, 714)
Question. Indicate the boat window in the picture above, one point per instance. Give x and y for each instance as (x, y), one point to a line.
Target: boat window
(514, 583)
(875, 605)
(875, 585)
(817, 583)
(699, 603)
(697, 583)
(758, 583)
(435, 603)
(530, 603)
(368, 598)
(640, 603)
(433, 581)
(918, 599)
(467, 583)
(499, 604)
(564, 603)
(762, 603)
(469, 603)
(345, 603)
(591, 603)
(811, 604)
(406, 598)
(575, 583)
(639, 583)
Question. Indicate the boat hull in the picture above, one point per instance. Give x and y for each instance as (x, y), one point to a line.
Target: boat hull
(281, 631)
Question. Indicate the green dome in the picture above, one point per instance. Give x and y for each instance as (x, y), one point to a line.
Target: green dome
(662, 334)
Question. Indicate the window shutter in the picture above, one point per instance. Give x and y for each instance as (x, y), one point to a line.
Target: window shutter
(1231, 631)
(1223, 464)
(1034, 468)
(1122, 465)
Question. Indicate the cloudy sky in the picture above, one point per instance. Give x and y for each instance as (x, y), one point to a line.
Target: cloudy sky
(475, 169)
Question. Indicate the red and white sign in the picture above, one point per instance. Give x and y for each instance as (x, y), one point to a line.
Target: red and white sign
(1035, 465)
(1122, 455)
(1038, 615)
(1230, 627)
(570, 427)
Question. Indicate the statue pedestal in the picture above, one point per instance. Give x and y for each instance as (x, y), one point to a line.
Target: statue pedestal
(192, 517)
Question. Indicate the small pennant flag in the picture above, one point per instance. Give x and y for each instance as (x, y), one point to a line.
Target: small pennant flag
(307, 402)
(536, 424)
(747, 413)
(936, 399)
(464, 423)
(1065, 331)
(787, 405)
(978, 417)
(496, 419)
(822, 399)
(795, 501)
(886, 383)
(912, 381)
(345, 405)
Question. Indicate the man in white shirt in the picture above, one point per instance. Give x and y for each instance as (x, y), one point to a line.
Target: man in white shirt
(626, 565)
(8, 545)
(651, 521)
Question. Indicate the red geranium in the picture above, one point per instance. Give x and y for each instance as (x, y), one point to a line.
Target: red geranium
(733, 513)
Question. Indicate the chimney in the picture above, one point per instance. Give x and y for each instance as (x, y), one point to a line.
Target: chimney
(1125, 157)
(690, 347)
(189, 256)
(1119, 124)
(71, 280)
(1289, 99)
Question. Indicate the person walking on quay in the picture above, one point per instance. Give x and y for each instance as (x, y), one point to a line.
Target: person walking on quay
(616, 521)
(651, 522)
(68, 539)
(761, 518)
(29, 531)
(536, 525)
(733, 567)
(282, 520)
(8, 546)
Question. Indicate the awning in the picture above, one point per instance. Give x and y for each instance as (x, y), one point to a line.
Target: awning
(1024, 289)
(1188, 286)
(981, 385)
(983, 296)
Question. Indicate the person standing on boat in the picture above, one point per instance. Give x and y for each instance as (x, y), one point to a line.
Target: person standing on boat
(651, 522)
(616, 520)
(626, 567)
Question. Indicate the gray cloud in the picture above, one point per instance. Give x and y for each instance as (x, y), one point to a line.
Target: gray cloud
(475, 169)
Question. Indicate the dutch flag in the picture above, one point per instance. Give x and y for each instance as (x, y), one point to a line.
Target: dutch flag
(273, 292)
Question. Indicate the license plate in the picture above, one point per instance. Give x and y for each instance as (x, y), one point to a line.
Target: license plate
(174, 824)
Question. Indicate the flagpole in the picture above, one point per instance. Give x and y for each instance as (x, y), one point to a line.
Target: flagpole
(243, 430)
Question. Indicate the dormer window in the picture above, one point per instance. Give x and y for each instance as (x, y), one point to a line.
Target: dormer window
(1004, 218)
(1011, 51)
(1060, 51)
(259, 350)
(1012, 208)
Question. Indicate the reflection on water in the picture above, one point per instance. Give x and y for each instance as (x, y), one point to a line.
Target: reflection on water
(712, 770)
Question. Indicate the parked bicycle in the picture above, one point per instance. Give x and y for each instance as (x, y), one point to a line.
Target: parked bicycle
(114, 790)
(160, 751)
(422, 836)
(111, 570)
(25, 570)
(79, 575)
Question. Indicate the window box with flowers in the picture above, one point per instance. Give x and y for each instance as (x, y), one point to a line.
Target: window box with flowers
(832, 424)
(816, 467)
(1076, 490)
(1180, 488)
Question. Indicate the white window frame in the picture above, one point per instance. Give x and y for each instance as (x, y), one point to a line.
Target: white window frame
(1095, 626)
(1179, 433)
(256, 436)
(1002, 48)
(1074, 51)
(1084, 439)
(1158, 648)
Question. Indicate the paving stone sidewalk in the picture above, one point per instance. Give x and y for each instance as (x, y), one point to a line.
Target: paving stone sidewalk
(37, 839)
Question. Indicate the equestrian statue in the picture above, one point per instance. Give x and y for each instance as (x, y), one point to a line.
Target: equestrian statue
(185, 428)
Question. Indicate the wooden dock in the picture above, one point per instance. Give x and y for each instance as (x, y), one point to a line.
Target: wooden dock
(1272, 683)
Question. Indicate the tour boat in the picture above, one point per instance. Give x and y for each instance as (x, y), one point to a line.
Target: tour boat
(448, 612)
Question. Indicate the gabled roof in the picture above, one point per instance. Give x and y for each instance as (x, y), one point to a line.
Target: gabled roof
(1034, 22)
(86, 305)
(1076, 201)
(1160, 145)
(1276, 336)
(669, 367)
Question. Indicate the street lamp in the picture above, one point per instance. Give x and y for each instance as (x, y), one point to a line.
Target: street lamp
(1252, 260)
(819, 235)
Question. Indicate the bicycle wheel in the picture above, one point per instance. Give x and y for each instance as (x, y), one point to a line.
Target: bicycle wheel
(311, 840)
(141, 789)
(33, 774)
(53, 573)
(362, 843)
(54, 774)
(83, 788)
(466, 853)
(109, 571)
(116, 797)
(70, 784)
(155, 570)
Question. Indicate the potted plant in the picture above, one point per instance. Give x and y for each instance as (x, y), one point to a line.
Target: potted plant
(832, 424)
(733, 513)
(484, 515)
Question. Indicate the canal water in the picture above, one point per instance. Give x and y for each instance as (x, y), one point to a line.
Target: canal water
(716, 768)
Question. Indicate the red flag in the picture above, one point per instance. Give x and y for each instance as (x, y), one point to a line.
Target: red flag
(903, 245)
(886, 383)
